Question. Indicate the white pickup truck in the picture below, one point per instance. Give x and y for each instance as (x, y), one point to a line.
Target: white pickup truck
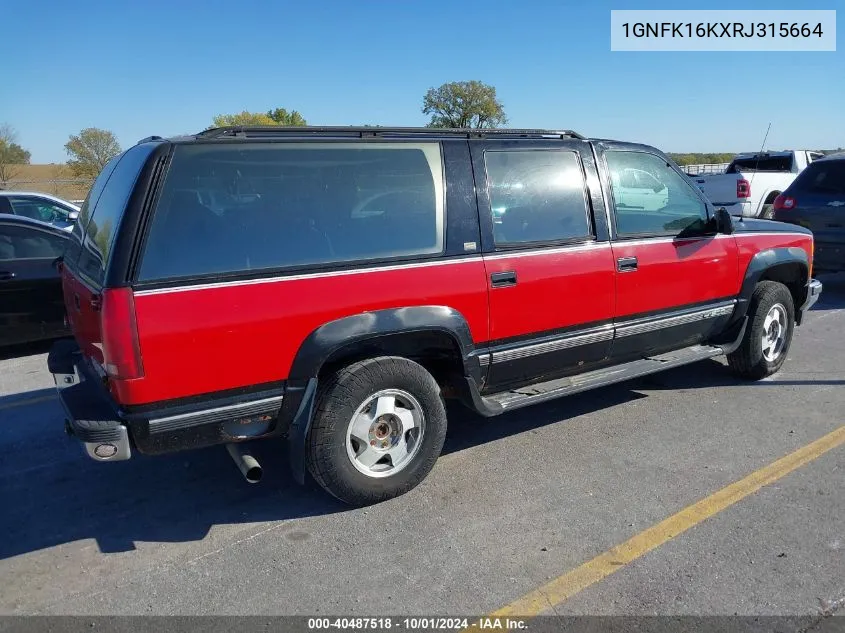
(751, 182)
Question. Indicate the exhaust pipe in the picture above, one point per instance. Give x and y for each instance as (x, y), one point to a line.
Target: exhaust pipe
(246, 463)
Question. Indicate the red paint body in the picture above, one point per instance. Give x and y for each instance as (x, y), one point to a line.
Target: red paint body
(204, 340)
(674, 273)
(214, 338)
(555, 289)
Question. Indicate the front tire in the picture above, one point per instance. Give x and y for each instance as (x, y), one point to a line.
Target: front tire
(378, 429)
(769, 333)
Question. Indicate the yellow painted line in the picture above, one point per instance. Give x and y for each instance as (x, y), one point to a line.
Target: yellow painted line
(564, 587)
(21, 403)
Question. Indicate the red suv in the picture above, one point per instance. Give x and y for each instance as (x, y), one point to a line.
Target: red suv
(335, 285)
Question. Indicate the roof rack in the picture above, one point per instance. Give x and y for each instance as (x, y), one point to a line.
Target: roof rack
(243, 131)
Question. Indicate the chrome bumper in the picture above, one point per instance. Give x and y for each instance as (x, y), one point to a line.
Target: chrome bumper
(89, 416)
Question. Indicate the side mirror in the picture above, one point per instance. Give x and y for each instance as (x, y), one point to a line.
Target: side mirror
(72, 216)
(724, 221)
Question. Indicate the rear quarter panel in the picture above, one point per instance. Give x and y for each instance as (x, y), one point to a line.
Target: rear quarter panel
(210, 338)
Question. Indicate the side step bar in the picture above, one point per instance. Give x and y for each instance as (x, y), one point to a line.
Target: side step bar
(540, 392)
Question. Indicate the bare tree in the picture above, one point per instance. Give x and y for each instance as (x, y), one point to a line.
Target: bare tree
(12, 155)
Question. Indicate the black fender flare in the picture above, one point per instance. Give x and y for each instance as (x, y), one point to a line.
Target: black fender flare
(330, 339)
(759, 264)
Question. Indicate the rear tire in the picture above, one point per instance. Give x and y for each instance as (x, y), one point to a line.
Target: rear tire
(378, 429)
(768, 336)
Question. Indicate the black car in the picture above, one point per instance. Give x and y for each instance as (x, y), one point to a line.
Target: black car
(31, 305)
(816, 200)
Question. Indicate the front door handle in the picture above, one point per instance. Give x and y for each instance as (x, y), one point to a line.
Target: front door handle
(6, 275)
(500, 280)
(626, 264)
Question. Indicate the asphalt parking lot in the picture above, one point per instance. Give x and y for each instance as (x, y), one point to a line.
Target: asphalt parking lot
(515, 504)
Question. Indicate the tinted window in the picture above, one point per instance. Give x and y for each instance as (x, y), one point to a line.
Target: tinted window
(536, 196)
(826, 177)
(651, 197)
(39, 209)
(228, 208)
(761, 163)
(74, 247)
(18, 242)
(99, 233)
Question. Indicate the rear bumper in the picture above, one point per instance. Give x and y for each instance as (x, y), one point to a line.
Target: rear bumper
(90, 415)
(111, 433)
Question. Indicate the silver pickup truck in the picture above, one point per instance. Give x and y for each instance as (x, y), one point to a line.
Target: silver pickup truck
(751, 182)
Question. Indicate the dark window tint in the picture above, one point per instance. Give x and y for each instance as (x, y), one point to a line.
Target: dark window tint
(74, 247)
(241, 207)
(650, 197)
(40, 209)
(536, 196)
(825, 177)
(19, 242)
(105, 218)
(761, 163)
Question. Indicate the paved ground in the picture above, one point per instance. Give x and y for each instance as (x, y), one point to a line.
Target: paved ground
(516, 501)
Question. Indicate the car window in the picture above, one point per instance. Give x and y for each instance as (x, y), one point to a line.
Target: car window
(659, 201)
(74, 248)
(536, 196)
(761, 163)
(234, 208)
(105, 216)
(825, 177)
(19, 242)
(39, 209)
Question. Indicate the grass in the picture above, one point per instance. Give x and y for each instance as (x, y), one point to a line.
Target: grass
(54, 179)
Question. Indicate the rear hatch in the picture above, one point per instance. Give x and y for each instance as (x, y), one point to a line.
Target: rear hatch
(816, 200)
(88, 301)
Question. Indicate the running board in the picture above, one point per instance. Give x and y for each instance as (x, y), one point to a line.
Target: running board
(540, 392)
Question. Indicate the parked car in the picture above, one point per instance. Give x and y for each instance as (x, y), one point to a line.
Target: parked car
(39, 206)
(363, 280)
(816, 200)
(31, 303)
(751, 182)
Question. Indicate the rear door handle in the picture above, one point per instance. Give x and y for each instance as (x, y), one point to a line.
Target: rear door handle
(6, 275)
(626, 264)
(500, 280)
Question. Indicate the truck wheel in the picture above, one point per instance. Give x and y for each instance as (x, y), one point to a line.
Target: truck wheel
(378, 428)
(768, 212)
(769, 333)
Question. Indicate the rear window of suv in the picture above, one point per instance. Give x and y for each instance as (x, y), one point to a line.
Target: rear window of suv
(824, 177)
(228, 208)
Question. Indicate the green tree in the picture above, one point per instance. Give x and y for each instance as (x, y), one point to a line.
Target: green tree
(242, 118)
(90, 150)
(283, 117)
(279, 116)
(11, 154)
(464, 104)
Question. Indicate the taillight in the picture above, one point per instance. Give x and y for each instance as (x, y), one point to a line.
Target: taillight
(785, 203)
(121, 350)
(743, 188)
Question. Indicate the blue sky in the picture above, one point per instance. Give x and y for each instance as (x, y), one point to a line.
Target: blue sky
(167, 67)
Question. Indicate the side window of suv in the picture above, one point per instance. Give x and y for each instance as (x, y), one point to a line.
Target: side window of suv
(245, 207)
(652, 198)
(536, 196)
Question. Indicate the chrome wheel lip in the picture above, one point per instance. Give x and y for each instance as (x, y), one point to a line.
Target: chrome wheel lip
(415, 434)
(773, 340)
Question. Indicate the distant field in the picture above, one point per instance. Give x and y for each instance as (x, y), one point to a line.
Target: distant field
(53, 179)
